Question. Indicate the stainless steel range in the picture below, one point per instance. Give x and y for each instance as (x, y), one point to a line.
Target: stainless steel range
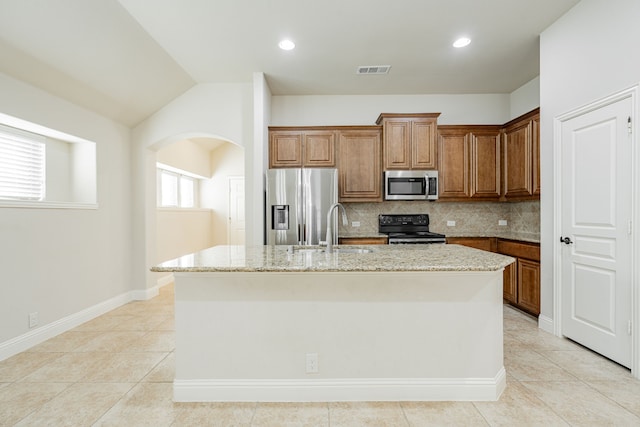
(411, 228)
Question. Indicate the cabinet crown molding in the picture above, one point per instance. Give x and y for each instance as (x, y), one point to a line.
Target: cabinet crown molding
(383, 116)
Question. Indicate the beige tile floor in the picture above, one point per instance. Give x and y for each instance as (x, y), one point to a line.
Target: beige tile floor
(116, 370)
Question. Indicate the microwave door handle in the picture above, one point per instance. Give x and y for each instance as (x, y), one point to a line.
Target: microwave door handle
(426, 185)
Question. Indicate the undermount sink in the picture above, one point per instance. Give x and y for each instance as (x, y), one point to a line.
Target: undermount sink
(352, 251)
(336, 250)
(309, 251)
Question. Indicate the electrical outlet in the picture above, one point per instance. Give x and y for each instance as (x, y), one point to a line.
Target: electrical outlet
(355, 223)
(312, 363)
(33, 319)
(451, 223)
(502, 222)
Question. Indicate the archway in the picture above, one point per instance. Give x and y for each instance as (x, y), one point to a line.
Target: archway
(209, 162)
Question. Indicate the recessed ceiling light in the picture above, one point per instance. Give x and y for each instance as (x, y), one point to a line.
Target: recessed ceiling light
(462, 42)
(286, 45)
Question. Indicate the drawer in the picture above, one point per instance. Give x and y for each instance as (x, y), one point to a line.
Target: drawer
(362, 241)
(529, 251)
(484, 243)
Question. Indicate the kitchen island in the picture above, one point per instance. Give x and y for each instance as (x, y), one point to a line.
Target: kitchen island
(388, 322)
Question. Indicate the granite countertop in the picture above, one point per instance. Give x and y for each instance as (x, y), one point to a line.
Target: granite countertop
(435, 257)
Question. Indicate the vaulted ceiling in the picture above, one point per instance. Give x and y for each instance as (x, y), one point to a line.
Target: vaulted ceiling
(126, 59)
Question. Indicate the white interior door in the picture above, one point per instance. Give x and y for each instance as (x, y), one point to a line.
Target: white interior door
(236, 222)
(596, 269)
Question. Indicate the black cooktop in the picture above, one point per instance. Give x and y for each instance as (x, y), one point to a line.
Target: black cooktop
(411, 228)
(403, 223)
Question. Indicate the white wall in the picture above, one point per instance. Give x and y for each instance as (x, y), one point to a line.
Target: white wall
(58, 262)
(182, 231)
(226, 160)
(365, 109)
(83, 172)
(525, 98)
(587, 54)
(221, 111)
(257, 160)
(58, 168)
(187, 156)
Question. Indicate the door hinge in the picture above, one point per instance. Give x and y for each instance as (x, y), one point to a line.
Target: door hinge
(629, 127)
(629, 327)
(629, 227)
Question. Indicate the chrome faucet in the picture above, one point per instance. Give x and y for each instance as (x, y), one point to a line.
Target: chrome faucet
(329, 233)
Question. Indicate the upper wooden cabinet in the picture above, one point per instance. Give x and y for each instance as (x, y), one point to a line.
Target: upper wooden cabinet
(359, 161)
(469, 162)
(409, 140)
(302, 147)
(521, 157)
(536, 154)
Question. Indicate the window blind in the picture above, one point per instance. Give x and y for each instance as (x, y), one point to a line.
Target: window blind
(22, 165)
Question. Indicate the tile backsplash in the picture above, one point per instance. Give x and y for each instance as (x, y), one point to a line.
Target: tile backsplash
(470, 218)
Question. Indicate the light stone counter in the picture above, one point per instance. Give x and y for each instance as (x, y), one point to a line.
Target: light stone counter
(434, 257)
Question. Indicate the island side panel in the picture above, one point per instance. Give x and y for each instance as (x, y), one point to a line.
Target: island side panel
(239, 332)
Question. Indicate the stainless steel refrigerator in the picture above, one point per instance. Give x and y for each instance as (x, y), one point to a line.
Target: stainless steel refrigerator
(297, 204)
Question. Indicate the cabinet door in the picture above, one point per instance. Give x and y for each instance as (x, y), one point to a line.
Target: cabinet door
(397, 144)
(529, 286)
(535, 146)
(319, 149)
(423, 144)
(453, 168)
(359, 166)
(510, 284)
(285, 149)
(485, 164)
(517, 160)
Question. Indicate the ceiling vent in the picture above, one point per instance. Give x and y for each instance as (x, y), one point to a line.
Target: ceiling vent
(373, 69)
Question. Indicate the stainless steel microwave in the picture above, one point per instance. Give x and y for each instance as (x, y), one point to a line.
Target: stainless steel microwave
(411, 185)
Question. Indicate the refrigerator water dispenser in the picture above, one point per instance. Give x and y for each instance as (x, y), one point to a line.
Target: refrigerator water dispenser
(280, 217)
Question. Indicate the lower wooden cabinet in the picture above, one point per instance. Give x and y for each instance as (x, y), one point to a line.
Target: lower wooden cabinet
(520, 280)
(528, 285)
(363, 241)
(521, 284)
(510, 284)
(484, 243)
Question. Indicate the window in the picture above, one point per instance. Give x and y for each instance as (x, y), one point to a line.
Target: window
(45, 168)
(22, 165)
(176, 189)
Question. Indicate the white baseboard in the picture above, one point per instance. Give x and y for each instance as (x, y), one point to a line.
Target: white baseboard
(146, 294)
(341, 390)
(45, 332)
(165, 280)
(546, 324)
(26, 341)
